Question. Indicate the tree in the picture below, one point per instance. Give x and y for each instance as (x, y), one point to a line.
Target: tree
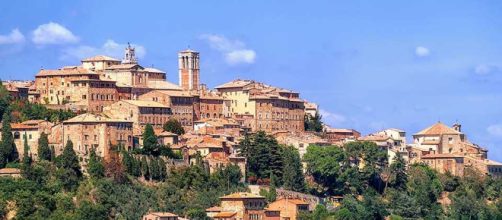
(150, 142)
(69, 172)
(44, 152)
(174, 126)
(154, 169)
(162, 169)
(95, 168)
(5, 100)
(264, 156)
(397, 171)
(26, 166)
(272, 192)
(7, 146)
(313, 123)
(326, 165)
(293, 178)
(144, 168)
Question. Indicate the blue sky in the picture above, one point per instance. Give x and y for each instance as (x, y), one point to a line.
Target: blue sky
(369, 65)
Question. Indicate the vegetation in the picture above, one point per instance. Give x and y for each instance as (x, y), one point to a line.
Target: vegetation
(313, 123)
(174, 126)
(7, 147)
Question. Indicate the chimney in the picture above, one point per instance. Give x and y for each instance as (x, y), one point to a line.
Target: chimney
(457, 127)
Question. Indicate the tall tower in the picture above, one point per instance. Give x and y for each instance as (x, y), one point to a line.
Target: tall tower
(129, 55)
(189, 72)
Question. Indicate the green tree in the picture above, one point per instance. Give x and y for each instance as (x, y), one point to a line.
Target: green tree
(174, 126)
(162, 169)
(197, 213)
(264, 156)
(397, 171)
(154, 169)
(272, 192)
(96, 167)
(44, 151)
(150, 142)
(326, 165)
(5, 100)
(7, 146)
(293, 178)
(26, 166)
(145, 168)
(313, 123)
(69, 172)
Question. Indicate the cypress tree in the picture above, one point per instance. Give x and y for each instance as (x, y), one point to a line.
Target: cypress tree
(127, 161)
(144, 168)
(44, 152)
(272, 192)
(26, 166)
(96, 168)
(7, 146)
(163, 169)
(136, 167)
(154, 169)
(174, 126)
(150, 143)
(53, 153)
(293, 178)
(69, 159)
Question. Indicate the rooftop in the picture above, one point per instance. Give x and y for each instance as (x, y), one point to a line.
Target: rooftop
(73, 70)
(438, 129)
(242, 195)
(99, 58)
(89, 117)
(144, 103)
(162, 214)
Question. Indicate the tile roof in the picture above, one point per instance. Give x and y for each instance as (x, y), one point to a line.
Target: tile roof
(66, 71)
(144, 103)
(225, 215)
(242, 195)
(153, 70)
(374, 138)
(438, 129)
(238, 83)
(99, 58)
(431, 156)
(10, 171)
(89, 117)
(214, 209)
(162, 214)
(163, 85)
(124, 66)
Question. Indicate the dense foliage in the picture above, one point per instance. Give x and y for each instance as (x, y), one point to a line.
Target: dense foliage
(174, 126)
(313, 123)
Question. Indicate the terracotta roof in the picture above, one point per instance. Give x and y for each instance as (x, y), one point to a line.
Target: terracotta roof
(89, 117)
(124, 66)
(153, 70)
(144, 103)
(214, 209)
(163, 85)
(242, 195)
(66, 71)
(293, 201)
(438, 129)
(100, 58)
(225, 215)
(374, 138)
(339, 130)
(10, 171)
(492, 162)
(162, 214)
(430, 156)
(21, 126)
(235, 84)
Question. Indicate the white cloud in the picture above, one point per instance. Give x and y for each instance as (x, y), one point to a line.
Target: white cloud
(421, 51)
(109, 48)
(495, 130)
(331, 118)
(234, 51)
(53, 33)
(14, 37)
(486, 69)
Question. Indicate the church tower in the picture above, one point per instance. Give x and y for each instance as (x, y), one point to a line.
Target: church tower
(129, 55)
(188, 62)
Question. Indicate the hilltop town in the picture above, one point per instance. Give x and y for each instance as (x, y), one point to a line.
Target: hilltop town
(134, 123)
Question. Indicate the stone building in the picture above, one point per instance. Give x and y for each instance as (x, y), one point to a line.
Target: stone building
(18, 90)
(300, 141)
(96, 131)
(447, 149)
(140, 112)
(217, 126)
(210, 106)
(273, 109)
(189, 69)
(33, 130)
(240, 205)
(160, 216)
(181, 103)
(55, 86)
(290, 208)
(310, 109)
(99, 63)
(340, 135)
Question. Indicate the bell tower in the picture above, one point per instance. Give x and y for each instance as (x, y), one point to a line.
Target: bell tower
(129, 55)
(188, 63)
